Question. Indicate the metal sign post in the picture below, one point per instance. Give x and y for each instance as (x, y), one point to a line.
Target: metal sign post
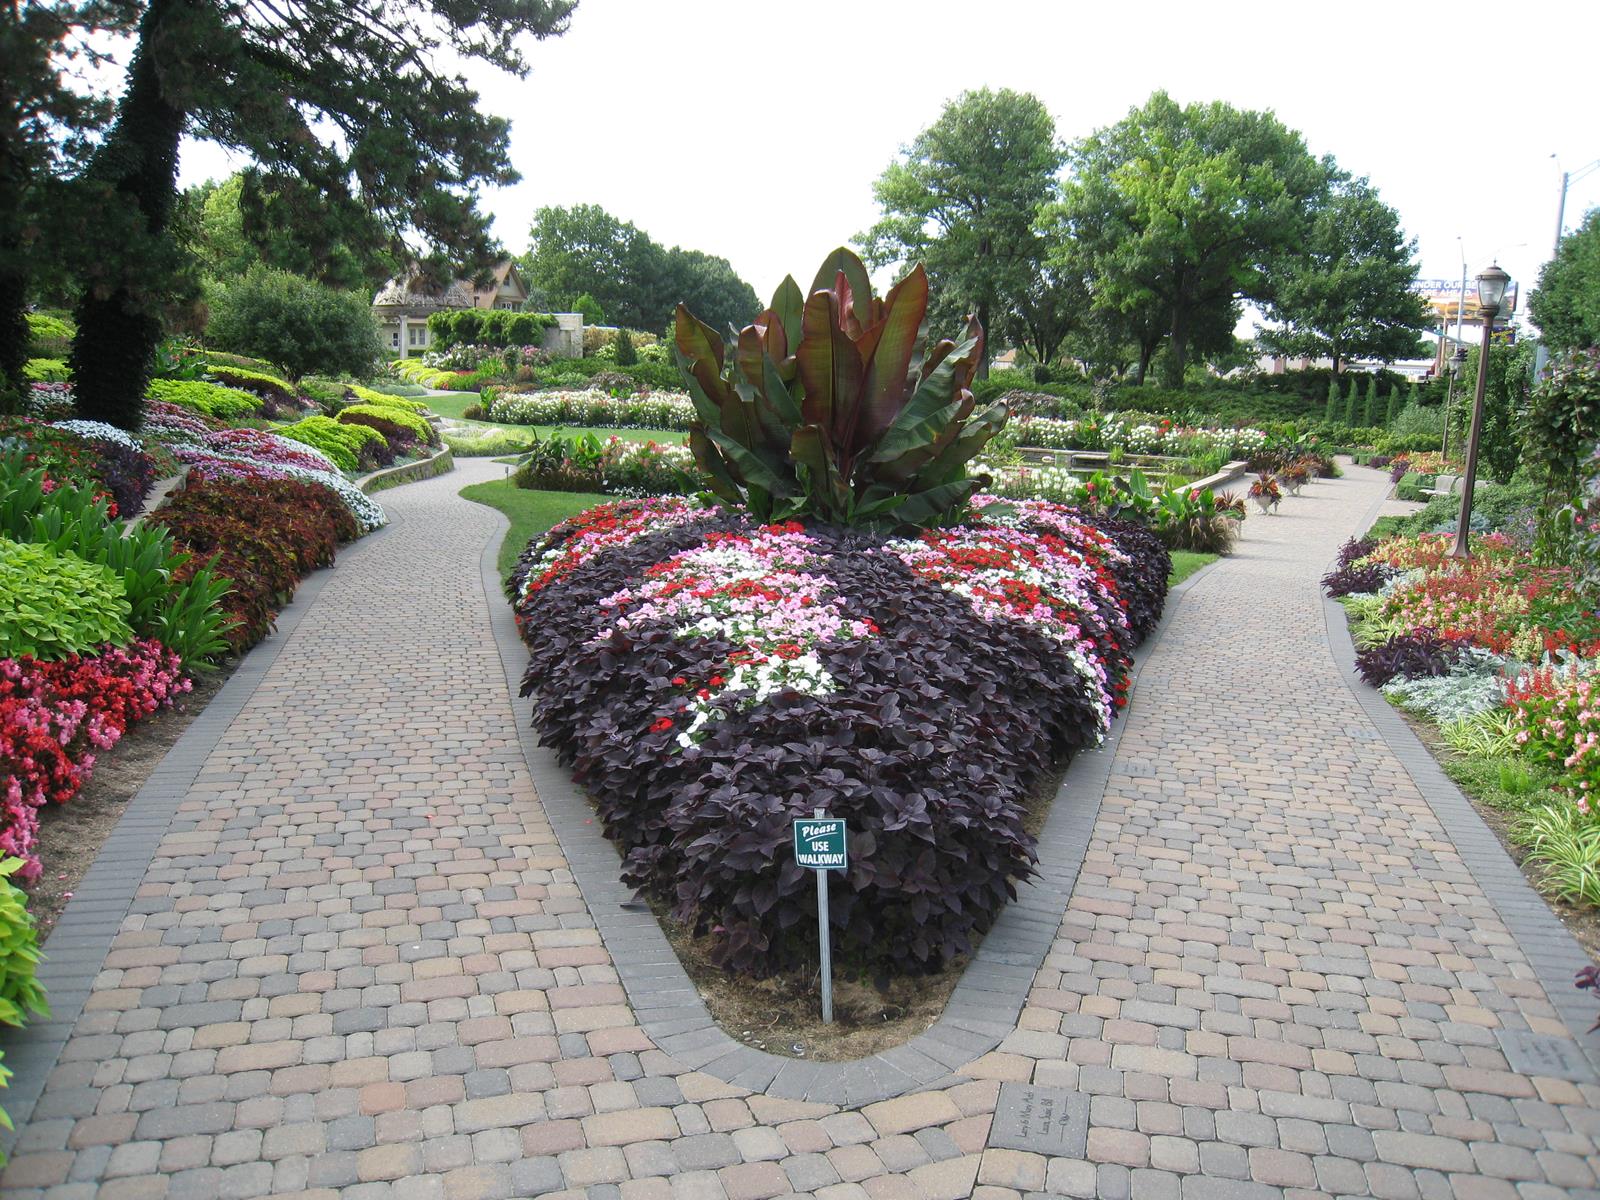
(820, 846)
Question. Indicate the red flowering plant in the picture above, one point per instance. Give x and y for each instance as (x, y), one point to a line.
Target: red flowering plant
(1498, 599)
(55, 716)
(65, 457)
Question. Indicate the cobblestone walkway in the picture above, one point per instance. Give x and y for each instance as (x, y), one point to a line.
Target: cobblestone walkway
(358, 966)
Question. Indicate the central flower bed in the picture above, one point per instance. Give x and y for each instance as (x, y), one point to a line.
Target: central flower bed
(710, 678)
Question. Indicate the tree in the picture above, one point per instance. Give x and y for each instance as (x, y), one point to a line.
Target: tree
(296, 323)
(1332, 415)
(1506, 400)
(309, 93)
(1348, 293)
(1566, 304)
(1350, 405)
(48, 114)
(1395, 405)
(963, 200)
(589, 309)
(229, 229)
(1185, 209)
(710, 287)
(584, 250)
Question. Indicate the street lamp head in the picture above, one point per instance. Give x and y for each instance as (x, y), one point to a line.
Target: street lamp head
(1457, 361)
(1492, 283)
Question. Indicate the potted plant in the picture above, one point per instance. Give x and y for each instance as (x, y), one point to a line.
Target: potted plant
(1265, 492)
(1295, 477)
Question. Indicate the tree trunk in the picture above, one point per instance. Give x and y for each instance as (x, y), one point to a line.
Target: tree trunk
(1147, 351)
(118, 328)
(1177, 347)
(14, 335)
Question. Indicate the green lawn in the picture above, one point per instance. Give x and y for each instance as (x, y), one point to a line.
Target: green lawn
(1184, 564)
(531, 512)
(451, 404)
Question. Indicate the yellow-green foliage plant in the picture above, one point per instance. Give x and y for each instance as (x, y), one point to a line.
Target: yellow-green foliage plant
(403, 418)
(367, 396)
(54, 605)
(21, 994)
(259, 382)
(211, 399)
(344, 443)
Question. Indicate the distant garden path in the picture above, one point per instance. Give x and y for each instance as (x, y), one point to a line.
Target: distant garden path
(358, 965)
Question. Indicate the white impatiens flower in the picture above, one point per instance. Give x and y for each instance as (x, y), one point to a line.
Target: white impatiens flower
(100, 431)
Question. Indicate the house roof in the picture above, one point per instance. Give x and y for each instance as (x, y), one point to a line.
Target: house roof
(411, 293)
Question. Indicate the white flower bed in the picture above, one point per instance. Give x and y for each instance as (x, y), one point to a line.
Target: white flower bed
(590, 406)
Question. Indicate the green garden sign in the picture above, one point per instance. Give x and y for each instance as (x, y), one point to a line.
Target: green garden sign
(820, 845)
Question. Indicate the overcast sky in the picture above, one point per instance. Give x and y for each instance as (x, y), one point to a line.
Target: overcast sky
(754, 130)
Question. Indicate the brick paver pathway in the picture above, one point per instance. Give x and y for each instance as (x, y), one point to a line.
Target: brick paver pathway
(359, 967)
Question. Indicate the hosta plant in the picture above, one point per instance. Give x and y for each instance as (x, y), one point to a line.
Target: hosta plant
(835, 405)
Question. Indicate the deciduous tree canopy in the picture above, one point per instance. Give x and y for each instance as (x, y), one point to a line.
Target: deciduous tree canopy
(584, 250)
(962, 200)
(1347, 293)
(1566, 306)
(1189, 208)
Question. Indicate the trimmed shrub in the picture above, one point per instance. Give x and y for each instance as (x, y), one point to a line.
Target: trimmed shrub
(351, 445)
(487, 327)
(398, 425)
(211, 399)
(268, 387)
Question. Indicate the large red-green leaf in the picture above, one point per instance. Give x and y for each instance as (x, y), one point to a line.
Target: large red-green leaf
(789, 303)
(889, 359)
(715, 467)
(830, 368)
(699, 354)
(843, 260)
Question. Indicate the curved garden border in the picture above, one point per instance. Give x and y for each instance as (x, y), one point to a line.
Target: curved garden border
(1552, 951)
(982, 1010)
(441, 463)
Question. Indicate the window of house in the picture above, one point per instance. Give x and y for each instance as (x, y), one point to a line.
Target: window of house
(419, 335)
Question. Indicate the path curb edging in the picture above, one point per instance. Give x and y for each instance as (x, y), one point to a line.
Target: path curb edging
(981, 1011)
(441, 463)
(82, 938)
(1551, 950)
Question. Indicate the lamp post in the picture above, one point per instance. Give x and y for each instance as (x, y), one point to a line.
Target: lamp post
(1457, 361)
(1491, 291)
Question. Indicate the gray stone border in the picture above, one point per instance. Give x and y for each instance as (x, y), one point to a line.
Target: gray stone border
(441, 463)
(79, 943)
(982, 1010)
(1551, 950)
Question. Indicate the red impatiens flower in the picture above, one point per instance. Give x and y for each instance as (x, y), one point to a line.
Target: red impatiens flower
(661, 725)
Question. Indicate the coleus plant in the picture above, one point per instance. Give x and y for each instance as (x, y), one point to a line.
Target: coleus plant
(835, 406)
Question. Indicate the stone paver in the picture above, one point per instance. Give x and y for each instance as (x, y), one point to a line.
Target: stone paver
(359, 963)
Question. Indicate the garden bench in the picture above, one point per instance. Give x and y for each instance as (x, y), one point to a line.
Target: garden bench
(1444, 485)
